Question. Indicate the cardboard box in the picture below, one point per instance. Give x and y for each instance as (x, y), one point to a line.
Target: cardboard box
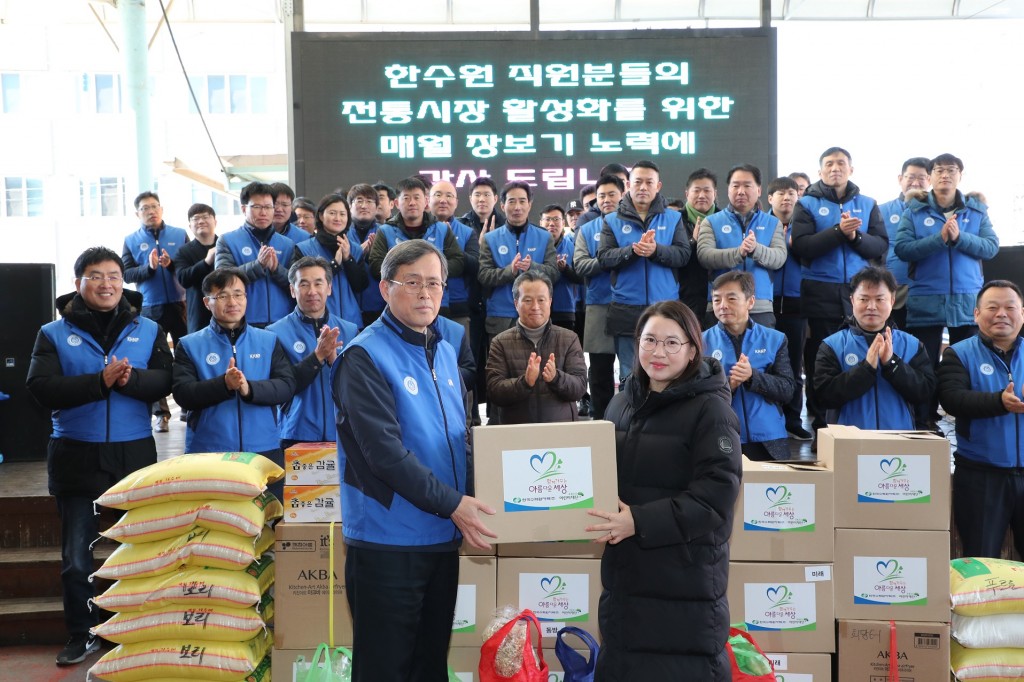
(783, 513)
(311, 464)
(464, 661)
(542, 478)
(888, 479)
(922, 650)
(559, 591)
(801, 667)
(312, 503)
(467, 549)
(895, 574)
(478, 596)
(301, 557)
(566, 549)
(786, 607)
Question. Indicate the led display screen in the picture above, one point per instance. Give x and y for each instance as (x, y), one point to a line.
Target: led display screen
(550, 110)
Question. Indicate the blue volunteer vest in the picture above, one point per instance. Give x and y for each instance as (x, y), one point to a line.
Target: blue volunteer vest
(458, 287)
(504, 246)
(233, 425)
(840, 264)
(642, 281)
(882, 407)
(599, 287)
(786, 280)
(310, 415)
(342, 302)
(566, 292)
(267, 302)
(162, 287)
(729, 234)
(950, 271)
(119, 418)
(995, 441)
(891, 212)
(433, 422)
(370, 299)
(760, 420)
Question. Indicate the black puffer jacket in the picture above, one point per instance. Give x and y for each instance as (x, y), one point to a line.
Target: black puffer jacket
(663, 613)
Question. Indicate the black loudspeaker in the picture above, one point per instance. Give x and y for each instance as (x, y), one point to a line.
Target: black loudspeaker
(28, 291)
(1008, 264)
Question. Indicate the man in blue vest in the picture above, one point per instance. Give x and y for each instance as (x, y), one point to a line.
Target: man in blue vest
(363, 199)
(945, 237)
(836, 232)
(261, 254)
(598, 344)
(231, 376)
(912, 178)
(701, 202)
(98, 368)
(406, 475)
(311, 337)
(977, 386)
(512, 248)
(871, 375)
(563, 303)
(643, 245)
(757, 364)
(743, 237)
(148, 258)
(414, 221)
(782, 197)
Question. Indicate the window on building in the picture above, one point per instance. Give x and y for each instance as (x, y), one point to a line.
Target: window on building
(234, 94)
(23, 197)
(100, 93)
(104, 196)
(10, 93)
(223, 206)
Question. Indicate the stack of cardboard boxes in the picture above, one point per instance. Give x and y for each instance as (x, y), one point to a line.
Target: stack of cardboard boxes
(892, 503)
(781, 572)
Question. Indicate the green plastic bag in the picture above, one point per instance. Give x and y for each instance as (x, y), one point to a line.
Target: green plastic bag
(326, 666)
(749, 664)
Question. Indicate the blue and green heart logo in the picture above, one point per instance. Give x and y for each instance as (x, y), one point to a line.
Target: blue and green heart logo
(778, 496)
(552, 586)
(779, 596)
(546, 465)
(892, 467)
(889, 570)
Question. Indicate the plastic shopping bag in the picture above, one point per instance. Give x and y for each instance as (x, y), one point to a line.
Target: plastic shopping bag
(531, 670)
(327, 666)
(749, 664)
(576, 667)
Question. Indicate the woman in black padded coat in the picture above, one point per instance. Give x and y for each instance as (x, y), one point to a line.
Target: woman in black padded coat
(663, 613)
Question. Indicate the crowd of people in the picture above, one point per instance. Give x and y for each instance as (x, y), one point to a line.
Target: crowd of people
(380, 319)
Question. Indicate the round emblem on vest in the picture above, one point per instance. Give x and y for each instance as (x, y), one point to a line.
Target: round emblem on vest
(928, 222)
(823, 210)
(143, 247)
(212, 359)
(503, 250)
(724, 444)
(726, 229)
(74, 340)
(299, 347)
(247, 251)
(852, 359)
(411, 385)
(717, 355)
(597, 236)
(894, 219)
(987, 369)
(626, 229)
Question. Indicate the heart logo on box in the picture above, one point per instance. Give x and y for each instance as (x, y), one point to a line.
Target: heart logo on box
(552, 586)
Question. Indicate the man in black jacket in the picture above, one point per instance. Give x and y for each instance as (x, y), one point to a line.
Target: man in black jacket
(98, 368)
(195, 261)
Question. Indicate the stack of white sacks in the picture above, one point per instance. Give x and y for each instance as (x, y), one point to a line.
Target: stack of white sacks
(988, 619)
(193, 593)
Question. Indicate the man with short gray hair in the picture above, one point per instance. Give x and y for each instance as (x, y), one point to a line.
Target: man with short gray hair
(406, 474)
(535, 370)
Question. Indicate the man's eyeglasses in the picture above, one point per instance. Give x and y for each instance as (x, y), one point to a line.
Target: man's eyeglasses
(414, 287)
(222, 297)
(945, 170)
(100, 279)
(261, 207)
(672, 345)
(149, 208)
